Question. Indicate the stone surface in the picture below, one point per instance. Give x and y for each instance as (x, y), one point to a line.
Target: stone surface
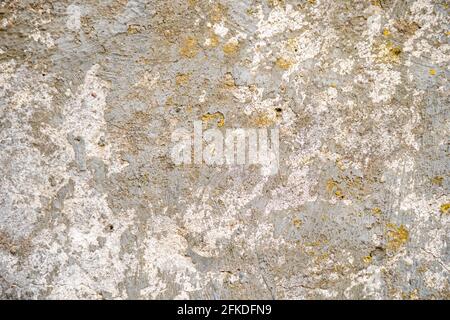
(91, 205)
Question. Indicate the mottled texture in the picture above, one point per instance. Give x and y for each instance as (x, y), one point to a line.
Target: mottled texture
(91, 205)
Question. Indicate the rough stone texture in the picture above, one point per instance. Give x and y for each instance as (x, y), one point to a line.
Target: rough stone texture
(91, 205)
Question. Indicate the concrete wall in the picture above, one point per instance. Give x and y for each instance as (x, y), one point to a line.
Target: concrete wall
(92, 206)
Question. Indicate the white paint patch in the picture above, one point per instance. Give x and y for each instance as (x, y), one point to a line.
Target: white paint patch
(74, 14)
(220, 29)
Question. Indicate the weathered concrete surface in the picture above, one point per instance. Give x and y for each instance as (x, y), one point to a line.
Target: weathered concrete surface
(91, 205)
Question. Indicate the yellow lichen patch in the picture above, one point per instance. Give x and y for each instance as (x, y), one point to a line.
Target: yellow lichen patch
(181, 79)
(218, 116)
(212, 41)
(367, 259)
(376, 211)
(192, 3)
(445, 208)
(334, 188)
(292, 44)
(231, 47)
(218, 12)
(413, 295)
(448, 33)
(189, 47)
(432, 72)
(394, 53)
(283, 63)
(376, 3)
(274, 3)
(133, 29)
(229, 80)
(386, 32)
(169, 101)
(297, 223)
(263, 120)
(388, 53)
(397, 236)
(438, 180)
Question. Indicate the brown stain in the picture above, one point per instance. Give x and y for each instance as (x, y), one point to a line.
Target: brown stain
(406, 27)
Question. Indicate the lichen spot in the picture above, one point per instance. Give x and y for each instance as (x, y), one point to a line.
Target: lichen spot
(438, 180)
(229, 81)
(367, 259)
(212, 41)
(397, 236)
(181, 79)
(231, 47)
(189, 47)
(263, 120)
(283, 63)
(218, 12)
(445, 208)
(297, 223)
(386, 32)
(218, 116)
(334, 188)
(376, 211)
(432, 72)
